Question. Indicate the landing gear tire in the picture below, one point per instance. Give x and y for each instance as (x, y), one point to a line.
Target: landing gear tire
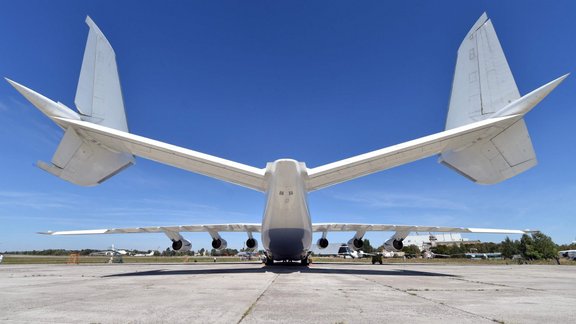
(269, 261)
(305, 262)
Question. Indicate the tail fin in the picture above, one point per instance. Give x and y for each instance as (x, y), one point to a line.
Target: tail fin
(483, 88)
(78, 159)
(99, 96)
(483, 82)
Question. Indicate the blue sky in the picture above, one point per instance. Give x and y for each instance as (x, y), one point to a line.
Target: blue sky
(261, 80)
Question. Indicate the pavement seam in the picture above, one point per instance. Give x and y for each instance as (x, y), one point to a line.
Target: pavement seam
(251, 307)
(411, 293)
(497, 284)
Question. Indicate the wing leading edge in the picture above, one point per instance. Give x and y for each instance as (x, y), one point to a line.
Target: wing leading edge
(337, 227)
(163, 229)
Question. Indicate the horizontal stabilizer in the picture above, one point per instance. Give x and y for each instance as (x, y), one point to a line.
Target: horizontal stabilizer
(186, 159)
(399, 154)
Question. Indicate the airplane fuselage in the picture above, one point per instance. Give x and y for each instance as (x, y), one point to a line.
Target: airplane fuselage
(286, 224)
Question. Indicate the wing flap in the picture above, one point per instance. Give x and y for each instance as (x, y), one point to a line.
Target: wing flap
(179, 157)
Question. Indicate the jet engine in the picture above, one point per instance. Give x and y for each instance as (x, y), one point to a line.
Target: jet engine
(252, 244)
(219, 244)
(322, 243)
(393, 245)
(355, 243)
(182, 245)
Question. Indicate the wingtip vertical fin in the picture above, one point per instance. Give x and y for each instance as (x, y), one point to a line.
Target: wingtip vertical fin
(99, 94)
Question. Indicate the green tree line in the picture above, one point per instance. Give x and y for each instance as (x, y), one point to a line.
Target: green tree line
(536, 246)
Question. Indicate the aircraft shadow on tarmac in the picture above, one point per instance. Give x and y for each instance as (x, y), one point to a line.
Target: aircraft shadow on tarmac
(283, 269)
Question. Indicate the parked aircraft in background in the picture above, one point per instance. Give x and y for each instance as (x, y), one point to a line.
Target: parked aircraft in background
(248, 255)
(110, 252)
(145, 254)
(345, 251)
(570, 254)
(485, 140)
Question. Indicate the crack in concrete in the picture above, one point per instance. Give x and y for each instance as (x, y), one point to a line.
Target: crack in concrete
(412, 293)
(251, 307)
(497, 284)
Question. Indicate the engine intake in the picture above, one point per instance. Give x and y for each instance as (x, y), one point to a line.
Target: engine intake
(393, 245)
(219, 244)
(355, 244)
(322, 243)
(252, 244)
(182, 245)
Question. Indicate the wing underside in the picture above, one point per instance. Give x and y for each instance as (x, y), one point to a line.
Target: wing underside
(212, 166)
(318, 227)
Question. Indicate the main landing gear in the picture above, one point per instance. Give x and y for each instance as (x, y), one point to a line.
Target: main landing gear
(304, 261)
(268, 261)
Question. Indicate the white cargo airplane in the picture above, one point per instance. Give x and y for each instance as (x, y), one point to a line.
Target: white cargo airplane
(485, 140)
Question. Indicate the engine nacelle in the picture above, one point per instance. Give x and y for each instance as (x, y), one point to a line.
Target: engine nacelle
(393, 245)
(219, 244)
(182, 245)
(322, 243)
(252, 244)
(355, 244)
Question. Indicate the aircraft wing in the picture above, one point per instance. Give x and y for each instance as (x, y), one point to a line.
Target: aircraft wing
(212, 166)
(336, 227)
(392, 156)
(164, 229)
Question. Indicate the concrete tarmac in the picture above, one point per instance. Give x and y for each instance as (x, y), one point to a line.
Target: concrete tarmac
(252, 293)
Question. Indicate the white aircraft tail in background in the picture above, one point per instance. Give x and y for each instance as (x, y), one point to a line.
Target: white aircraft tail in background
(485, 139)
